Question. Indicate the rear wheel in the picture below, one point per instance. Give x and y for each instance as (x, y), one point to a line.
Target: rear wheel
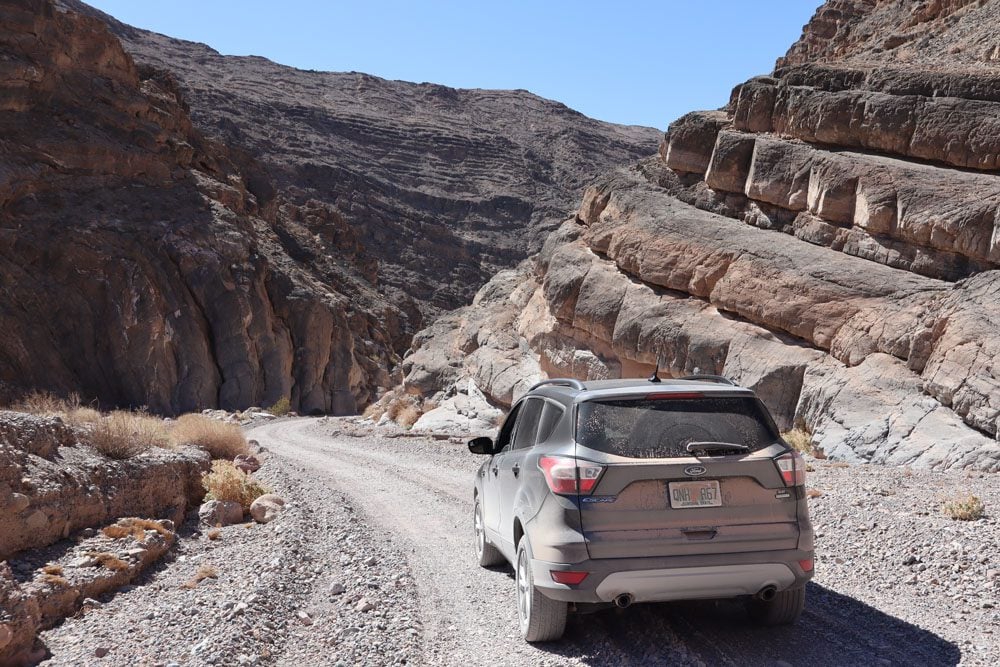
(784, 609)
(488, 554)
(541, 619)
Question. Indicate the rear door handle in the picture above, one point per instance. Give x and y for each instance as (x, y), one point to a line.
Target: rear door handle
(516, 469)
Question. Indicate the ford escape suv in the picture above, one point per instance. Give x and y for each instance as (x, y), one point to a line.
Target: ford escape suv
(622, 491)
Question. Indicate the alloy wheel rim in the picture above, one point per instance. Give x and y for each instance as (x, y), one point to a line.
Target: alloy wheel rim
(523, 584)
(480, 534)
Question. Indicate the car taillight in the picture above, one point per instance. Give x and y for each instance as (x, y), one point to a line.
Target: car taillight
(567, 577)
(792, 468)
(806, 565)
(569, 476)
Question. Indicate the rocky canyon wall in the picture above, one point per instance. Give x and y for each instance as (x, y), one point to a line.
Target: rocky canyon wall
(830, 239)
(181, 230)
(143, 264)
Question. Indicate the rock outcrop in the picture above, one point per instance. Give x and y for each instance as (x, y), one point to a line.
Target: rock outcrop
(830, 239)
(52, 485)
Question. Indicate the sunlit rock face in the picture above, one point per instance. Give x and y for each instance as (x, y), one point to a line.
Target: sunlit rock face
(829, 239)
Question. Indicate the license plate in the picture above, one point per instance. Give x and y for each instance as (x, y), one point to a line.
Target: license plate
(694, 494)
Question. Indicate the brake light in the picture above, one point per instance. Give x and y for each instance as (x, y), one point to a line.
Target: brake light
(666, 396)
(567, 577)
(568, 476)
(792, 468)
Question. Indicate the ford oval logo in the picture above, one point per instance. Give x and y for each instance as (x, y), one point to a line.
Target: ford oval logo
(694, 471)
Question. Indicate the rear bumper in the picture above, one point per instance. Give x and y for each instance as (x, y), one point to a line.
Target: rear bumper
(676, 578)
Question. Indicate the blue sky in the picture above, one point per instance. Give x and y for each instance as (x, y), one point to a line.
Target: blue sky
(638, 62)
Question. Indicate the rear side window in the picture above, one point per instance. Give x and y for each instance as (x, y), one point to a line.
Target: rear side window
(527, 423)
(551, 414)
(663, 428)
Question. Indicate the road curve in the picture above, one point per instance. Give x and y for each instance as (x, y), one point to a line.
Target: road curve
(420, 490)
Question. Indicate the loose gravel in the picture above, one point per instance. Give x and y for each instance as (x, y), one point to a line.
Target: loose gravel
(372, 564)
(316, 586)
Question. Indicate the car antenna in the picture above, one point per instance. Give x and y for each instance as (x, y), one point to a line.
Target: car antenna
(655, 377)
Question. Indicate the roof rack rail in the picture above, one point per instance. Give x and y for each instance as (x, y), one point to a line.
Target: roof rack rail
(711, 378)
(560, 382)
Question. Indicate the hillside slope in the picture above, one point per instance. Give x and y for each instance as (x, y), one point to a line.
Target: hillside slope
(183, 230)
(473, 178)
(831, 239)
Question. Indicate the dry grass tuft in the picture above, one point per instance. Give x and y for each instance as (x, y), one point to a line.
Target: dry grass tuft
(214, 533)
(227, 482)
(800, 440)
(281, 407)
(204, 572)
(46, 404)
(968, 508)
(135, 527)
(122, 435)
(220, 440)
(54, 580)
(108, 560)
(813, 493)
(53, 569)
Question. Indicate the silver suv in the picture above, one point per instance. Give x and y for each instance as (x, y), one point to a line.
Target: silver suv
(622, 491)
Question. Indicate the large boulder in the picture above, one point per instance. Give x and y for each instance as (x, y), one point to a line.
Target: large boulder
(220, 513)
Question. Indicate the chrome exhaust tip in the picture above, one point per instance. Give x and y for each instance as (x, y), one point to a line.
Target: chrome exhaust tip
(624, 600)
(767, 593)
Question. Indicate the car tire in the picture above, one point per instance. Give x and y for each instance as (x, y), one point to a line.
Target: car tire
(784, 609)
(488, 555)
(541, 619)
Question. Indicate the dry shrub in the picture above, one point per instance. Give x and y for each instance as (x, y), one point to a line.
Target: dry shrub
(281, 407)
(46, 404)
(800, 439)
(121, 435)
(108, 560)
(135, 527)
(55, 580)
(813, 493)
(404, 410)
(968, 508)
(204, 572)
(214, 533)
(53, 569)
(220, 440)
(227, 482)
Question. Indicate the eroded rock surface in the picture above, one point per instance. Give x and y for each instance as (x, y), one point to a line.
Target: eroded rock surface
(831, 239)
(48, 495)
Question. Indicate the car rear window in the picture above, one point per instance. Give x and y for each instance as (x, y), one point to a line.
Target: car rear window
(663, 428)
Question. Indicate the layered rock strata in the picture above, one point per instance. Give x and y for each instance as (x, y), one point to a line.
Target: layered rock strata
(145, 265)
(52, 485)
(830, 239)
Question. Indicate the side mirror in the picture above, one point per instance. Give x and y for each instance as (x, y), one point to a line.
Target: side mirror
(481, 445)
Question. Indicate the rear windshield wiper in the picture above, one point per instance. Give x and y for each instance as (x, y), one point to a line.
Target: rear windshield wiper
(716, 448)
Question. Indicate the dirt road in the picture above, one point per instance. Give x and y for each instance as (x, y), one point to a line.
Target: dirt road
(419, 491)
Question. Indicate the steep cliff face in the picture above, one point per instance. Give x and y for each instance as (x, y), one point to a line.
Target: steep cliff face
(182, 230)
(829, 239)
(473, 178)
(145, 265)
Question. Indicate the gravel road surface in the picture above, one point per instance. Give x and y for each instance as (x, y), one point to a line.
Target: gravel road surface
(372, 564)
(898, 583)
